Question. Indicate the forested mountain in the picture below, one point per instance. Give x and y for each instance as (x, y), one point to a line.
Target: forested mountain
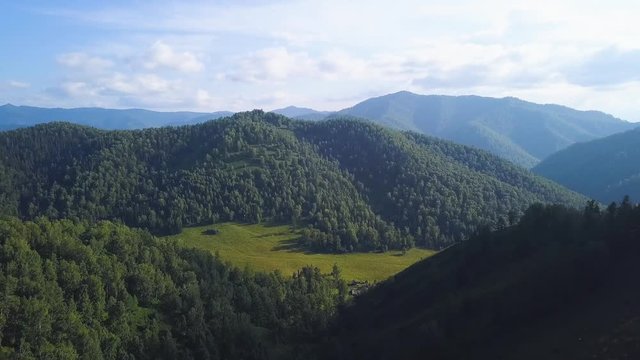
(355, 186)
(561, 284)
(13, 117)
(604, 169)
(70, 290)
(520, 131)
(302, 113)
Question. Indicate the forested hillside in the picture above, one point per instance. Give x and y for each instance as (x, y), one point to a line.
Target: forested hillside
(357, 186)
(520, 131)
(432, 188)
(70, 290)
(605, 169)
(561, 284)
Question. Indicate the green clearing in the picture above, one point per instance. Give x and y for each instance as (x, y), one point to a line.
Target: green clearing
(270, 247)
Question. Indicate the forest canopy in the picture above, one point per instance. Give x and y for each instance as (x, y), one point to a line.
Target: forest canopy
(355, 186)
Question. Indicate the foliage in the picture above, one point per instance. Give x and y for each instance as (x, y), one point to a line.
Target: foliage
(466, 301)
(356, 186)
(604, 169)
(435, 191)
(69, 290)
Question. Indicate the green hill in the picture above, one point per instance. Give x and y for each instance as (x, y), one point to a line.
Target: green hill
(561, 284)
(353, 186)
(519, 131)
(605, 169)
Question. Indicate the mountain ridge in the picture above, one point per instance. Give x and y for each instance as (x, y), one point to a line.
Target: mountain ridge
(16, 116)
(518, 130)
(605, 169)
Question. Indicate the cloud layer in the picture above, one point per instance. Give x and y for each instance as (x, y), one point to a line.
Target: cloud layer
(329, 54)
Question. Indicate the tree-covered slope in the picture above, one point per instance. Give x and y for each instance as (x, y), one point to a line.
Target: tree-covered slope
(13, 117)
(561, 284)
(69, 290)
(520, 131)
(357, 186)
(438, 191)
(604, 169)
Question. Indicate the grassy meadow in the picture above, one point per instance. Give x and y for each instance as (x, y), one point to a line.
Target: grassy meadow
(270, 247)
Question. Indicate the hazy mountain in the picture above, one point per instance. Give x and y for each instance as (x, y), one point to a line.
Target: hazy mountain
(302, 113)
(12, 117)
(604, 169)
(520, 131)
(357, 185)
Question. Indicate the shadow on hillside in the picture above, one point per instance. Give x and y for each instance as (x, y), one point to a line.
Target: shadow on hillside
(281, 233)
(292, 245)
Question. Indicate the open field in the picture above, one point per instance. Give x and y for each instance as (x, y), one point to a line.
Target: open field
(269, 247)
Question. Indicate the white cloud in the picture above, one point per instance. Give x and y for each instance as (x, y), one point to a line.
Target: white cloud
(85, 62)
(19, 84)
(162, 54)
(331, 53)
(271, 64)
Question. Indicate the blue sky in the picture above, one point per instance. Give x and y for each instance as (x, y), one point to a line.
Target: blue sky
(329, 54)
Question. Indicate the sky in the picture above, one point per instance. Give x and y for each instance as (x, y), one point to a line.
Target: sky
(325, 54)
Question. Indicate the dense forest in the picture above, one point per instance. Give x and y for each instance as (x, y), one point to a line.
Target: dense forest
(561, 284)
(70, 290)
(434, 189)
(355, 185)
(605, 169)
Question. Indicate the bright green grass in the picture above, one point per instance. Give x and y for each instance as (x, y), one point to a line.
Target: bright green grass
(267, 247)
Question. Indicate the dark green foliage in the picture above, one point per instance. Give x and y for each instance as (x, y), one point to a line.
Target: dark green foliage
(520, 131)
(604, 169)
(242, 168)
(69, 290)
(467, 301)
(434, 191)
(355, 185)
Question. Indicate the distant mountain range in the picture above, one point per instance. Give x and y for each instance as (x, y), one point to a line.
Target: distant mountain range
(604, 169)
(302, 113)
(520, 131)
(13, 117)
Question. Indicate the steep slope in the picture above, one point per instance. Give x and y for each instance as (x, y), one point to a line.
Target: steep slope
(520, 131)
(13, 117)
(604, 169)
(559, 285)
(438, 190)
(356, 185)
